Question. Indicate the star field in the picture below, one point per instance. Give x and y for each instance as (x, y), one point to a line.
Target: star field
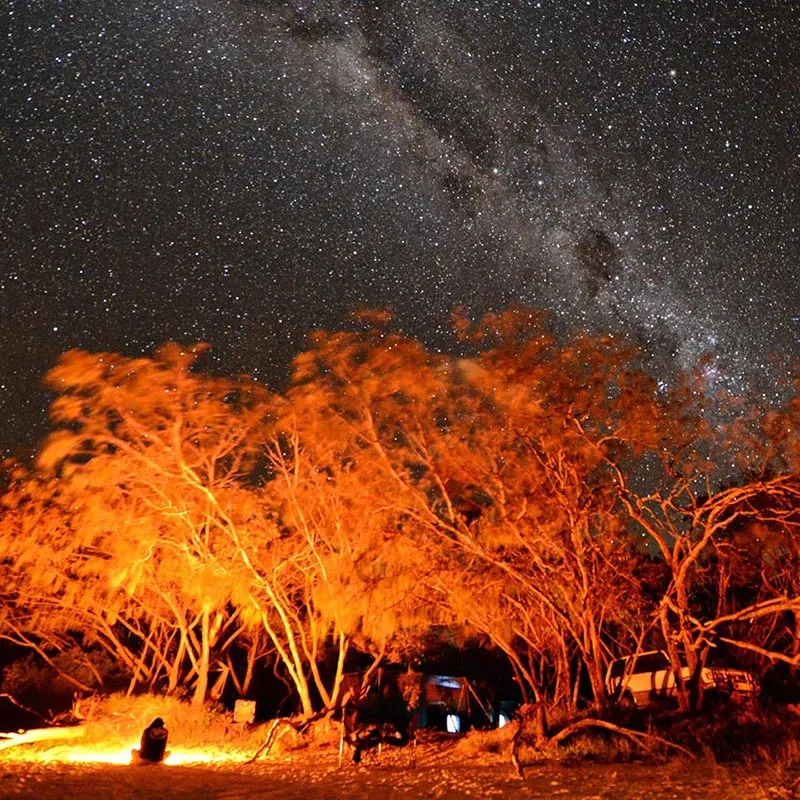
(243, 172)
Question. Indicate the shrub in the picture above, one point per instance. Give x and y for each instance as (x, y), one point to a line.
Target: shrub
(739, 732)
(478, 743)
(37, 685)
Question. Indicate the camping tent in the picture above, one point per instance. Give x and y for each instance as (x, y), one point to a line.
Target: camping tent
(446, 702)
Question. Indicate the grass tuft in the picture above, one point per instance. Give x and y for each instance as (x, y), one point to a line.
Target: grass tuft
(479, 743)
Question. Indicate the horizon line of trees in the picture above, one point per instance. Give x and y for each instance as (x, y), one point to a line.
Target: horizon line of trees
(544, 497)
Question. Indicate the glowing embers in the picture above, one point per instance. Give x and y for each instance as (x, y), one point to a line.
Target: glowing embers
(172, 759)
(95, 755)
(201, 757)
(114, 754)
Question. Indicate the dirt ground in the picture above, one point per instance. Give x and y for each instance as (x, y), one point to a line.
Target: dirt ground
(319, 778)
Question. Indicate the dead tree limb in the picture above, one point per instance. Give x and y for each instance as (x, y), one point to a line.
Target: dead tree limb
(644, 740)
(16, 702)
(274, 733)
(272, 736)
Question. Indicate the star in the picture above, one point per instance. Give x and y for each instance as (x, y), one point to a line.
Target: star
(245, 173)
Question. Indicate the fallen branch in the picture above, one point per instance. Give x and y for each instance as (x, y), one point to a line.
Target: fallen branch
(273, 736)
(643, 740)
(637, 737)
(40, 735)
(16, 702)
(299, 727)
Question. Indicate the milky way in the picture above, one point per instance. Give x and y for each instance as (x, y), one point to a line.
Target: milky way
(245, 172)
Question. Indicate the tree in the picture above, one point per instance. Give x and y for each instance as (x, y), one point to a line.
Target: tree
(152, 460)
(340, 567)
(39, 569)
(177, 515)
(202, 508)
(692, 517)
(500, 461)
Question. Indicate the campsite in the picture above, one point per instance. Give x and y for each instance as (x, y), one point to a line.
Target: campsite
(446, 769)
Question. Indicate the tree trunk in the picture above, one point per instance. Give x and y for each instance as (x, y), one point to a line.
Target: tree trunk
(201, 687)
(248, 674)
(174, 673)
(337, 680)
(675, 663)
(595, 666)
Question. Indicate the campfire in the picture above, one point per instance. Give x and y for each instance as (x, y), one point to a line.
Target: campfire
(109, 731)
(67, 745)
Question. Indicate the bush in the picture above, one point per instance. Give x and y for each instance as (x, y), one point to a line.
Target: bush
(45, 688)
(208, 728)
(746, 732)
(478, 743)
(739, 732)
(123, 718)
(37, 685)
(322, 733)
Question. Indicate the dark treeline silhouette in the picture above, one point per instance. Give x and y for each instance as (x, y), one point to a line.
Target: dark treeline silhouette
(181, 530)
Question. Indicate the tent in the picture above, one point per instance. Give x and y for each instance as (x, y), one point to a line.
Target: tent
(444, 702)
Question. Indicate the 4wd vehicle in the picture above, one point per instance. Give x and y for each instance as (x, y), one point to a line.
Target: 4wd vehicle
(649, 679)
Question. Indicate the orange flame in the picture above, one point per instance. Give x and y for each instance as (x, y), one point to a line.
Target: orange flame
(111, 753)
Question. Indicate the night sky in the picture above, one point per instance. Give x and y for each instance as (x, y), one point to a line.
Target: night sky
(243, 172)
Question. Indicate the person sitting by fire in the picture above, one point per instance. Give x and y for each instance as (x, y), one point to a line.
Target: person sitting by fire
(154, 742)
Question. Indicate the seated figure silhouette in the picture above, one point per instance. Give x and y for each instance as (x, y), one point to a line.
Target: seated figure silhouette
(153, 747)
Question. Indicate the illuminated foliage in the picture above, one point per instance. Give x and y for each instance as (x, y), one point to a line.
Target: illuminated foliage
(542, 494)
(146, 458)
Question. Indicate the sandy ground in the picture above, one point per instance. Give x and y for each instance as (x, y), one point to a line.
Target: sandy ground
(317, 777)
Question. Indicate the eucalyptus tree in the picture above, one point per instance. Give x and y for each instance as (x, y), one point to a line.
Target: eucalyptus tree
(152, 460)
(722, 513)
(495, 465)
